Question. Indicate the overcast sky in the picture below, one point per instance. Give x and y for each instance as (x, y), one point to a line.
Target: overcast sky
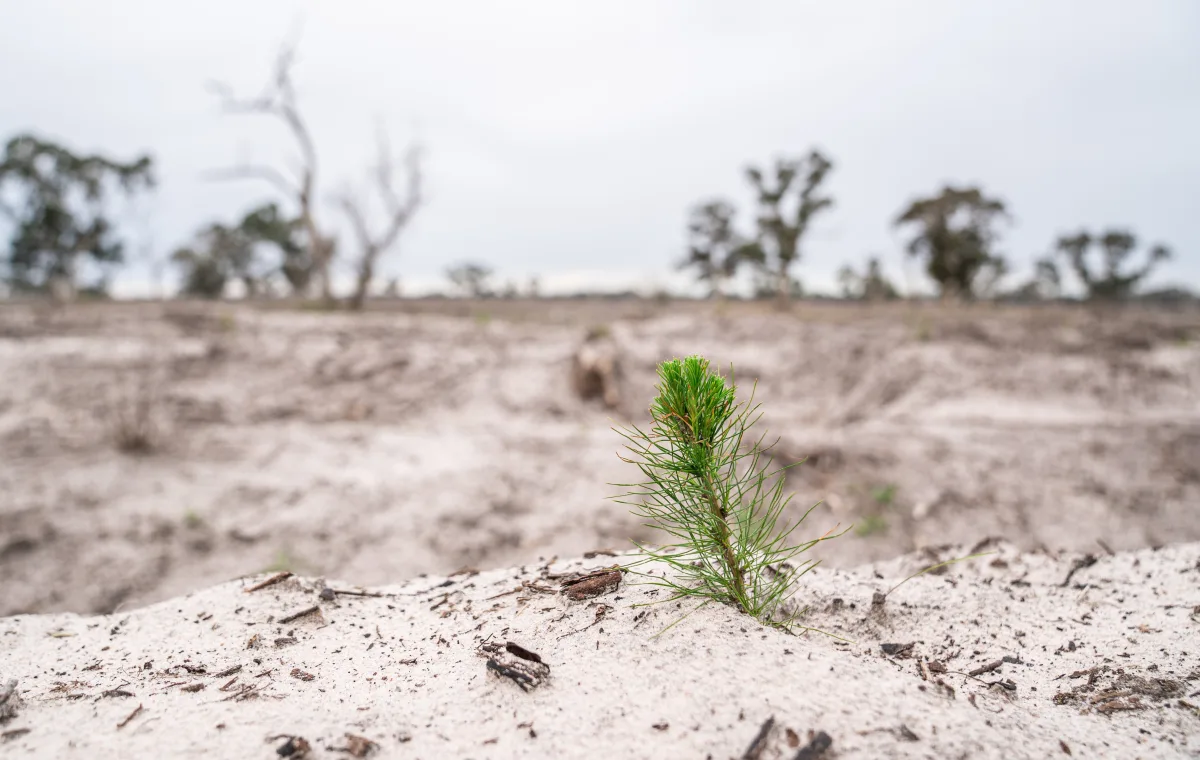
(568, 139)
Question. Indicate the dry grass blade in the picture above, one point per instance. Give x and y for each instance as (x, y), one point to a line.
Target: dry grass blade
(135, 410)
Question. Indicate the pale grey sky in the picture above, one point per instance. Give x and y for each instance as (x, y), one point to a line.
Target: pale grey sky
(567, 137)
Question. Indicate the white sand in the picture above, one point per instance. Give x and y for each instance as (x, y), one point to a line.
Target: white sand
(404, 670)
(378, 446)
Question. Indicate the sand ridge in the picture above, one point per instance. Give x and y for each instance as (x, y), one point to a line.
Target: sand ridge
(1012, 655)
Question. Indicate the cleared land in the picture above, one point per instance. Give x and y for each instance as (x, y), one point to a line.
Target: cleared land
(151, 453)
(379, 446)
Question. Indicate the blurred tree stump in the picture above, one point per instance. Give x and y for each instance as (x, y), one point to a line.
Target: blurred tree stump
(596, 369)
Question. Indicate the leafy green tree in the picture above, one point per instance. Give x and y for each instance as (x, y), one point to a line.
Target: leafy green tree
(267, 224)
(60, 215)
(1106, 282)
(872, 285)
(219, 255)
(715, 248)
(782, 221)
(223, 253)
(955, 234)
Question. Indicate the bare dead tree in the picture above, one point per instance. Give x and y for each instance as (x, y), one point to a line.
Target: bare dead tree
(278, 100)
(399, 212)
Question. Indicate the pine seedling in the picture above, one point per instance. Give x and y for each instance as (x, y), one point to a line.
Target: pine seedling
(709, 486)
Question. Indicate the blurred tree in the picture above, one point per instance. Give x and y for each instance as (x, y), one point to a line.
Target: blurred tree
(1047, 279)
(219, 255)
(1172, 294)
(278, 100)
(471, 279)
(715, 249)
(873, 285)
(764, 285)
(223, 253)
(398, 214)
(1116, 246)
(60, 213)
(1045, 285)
(991, 275)
(780, 230)
(267, 224)
(955, 235)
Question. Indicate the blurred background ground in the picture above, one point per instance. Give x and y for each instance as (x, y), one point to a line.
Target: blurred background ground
(150, 449)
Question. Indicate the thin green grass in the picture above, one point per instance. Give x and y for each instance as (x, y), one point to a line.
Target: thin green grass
(931, 568)
(709, 486)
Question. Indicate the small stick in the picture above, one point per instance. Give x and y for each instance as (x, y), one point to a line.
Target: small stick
(1086, 560)
(132, 715)
(276, 578)
(760, 740)
(518, 589)
(302, 613)
(1109, 695)
(986, 668)
(243, 694)
(7, 691)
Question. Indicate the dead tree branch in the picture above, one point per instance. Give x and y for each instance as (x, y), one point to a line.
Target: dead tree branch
(278, 100)
(399, 212)
(268, 174)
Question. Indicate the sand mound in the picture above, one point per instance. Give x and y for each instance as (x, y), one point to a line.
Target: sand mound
(1013, 655)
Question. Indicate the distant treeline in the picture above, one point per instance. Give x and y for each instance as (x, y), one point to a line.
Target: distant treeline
(65, 241)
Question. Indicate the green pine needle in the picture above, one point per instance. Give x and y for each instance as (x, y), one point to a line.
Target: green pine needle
(708, 485)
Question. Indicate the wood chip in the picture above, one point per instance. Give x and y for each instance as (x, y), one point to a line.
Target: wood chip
(519, 651)
(302, 675)
(897, 650)
(816, 747)
(295, 747)
(359, 746)
(592, 585)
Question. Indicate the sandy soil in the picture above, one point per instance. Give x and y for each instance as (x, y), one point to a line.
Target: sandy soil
(440, 435)
(1012, 655)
